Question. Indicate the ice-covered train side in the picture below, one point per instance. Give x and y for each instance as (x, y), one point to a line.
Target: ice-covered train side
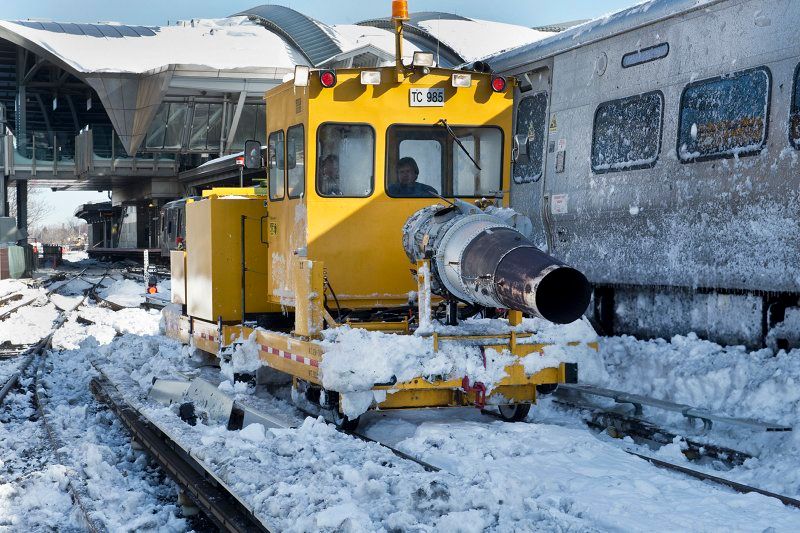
(660, 157)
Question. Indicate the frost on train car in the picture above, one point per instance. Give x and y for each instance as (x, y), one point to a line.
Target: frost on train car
(659, 154)
(384, 212)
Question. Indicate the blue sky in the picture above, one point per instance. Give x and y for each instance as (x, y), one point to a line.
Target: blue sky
(160, 12)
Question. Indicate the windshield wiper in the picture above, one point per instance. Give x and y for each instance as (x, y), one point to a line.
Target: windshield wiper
(444, 123)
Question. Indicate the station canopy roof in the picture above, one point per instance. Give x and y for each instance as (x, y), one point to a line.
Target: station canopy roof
(132, 68)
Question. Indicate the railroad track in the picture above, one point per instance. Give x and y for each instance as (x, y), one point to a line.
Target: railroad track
(210, 493)
(26, 369)
(619, 424)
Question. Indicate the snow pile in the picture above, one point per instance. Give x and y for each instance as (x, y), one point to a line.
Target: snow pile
(583, 476)
(126, 493)
(125, 292)
(728, 380)
(66, 303)
(355, 359)
(33, 494)
(28, 325)
(104, 325)
(75, 256)
(759, 384)
(314, 478)
(244, 359)
(10, 286)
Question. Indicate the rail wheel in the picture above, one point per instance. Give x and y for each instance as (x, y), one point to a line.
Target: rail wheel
(515, 412)
(343, 422)
(332, 401)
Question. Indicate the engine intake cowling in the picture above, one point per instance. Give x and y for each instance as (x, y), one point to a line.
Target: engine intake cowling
(485, 257)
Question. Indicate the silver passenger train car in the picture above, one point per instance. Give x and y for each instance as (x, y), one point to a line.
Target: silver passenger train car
(658, 152)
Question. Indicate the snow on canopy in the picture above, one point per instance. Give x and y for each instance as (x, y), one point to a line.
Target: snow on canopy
(351, 36)
(219, 44)
(473, 39)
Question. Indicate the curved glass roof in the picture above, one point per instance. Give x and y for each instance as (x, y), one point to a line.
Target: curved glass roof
(302, 31)
(92, 30)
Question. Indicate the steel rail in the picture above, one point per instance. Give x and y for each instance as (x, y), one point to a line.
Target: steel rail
(40, 349)
(738, 487)
(604, 419)
(30, 352)
(217, 502)
(646, 430)
(48, 292)
(399, 453)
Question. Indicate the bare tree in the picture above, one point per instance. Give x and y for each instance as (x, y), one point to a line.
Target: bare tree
(38, 208)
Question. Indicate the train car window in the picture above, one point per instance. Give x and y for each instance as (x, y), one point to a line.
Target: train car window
(794, 118)
(724, 117)
(645, 55)
(276, 165)
(627, 133)
(425, 161)
(531, 120)
(346, 160)
(296, 161)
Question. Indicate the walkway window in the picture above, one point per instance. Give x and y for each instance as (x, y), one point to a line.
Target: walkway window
(627, 133)
(531, 121)
(345, 160)
(295, 159)
(206, 127)
(276, 166)
(724, 117)
(252, 125)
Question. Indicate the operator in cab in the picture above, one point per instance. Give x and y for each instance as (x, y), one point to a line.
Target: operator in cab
(407, 184)
(329, 176)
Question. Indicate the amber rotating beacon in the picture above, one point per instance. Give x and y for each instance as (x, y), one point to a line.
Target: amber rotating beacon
(483, 257)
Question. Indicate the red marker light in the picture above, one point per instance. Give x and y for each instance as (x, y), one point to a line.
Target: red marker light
(327, 78)
(498, 84)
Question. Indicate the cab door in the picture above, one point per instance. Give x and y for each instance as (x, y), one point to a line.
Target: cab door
(531, 116)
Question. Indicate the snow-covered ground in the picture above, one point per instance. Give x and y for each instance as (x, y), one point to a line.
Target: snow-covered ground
(120, 488)
(28, 324)
(557, 471)
(548, 473)
(130, 293)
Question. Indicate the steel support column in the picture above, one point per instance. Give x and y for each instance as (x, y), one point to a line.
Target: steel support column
(3, 196)
(22, 209)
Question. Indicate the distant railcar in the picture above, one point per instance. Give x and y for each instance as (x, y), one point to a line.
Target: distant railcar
(173, 226)
(658, 153)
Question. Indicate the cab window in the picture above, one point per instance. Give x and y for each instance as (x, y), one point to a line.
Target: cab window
(276, 165)
(724, 117)
(295, 162)
(794, 118)
(345, 160)
(427, 161)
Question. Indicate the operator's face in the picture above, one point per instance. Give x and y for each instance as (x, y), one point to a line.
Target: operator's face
(330, 169)
(405, 175)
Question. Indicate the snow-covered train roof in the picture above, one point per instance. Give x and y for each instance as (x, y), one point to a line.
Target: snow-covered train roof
(642, 14)
(464, 39)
